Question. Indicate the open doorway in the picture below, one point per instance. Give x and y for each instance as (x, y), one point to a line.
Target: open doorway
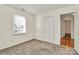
(67, 30)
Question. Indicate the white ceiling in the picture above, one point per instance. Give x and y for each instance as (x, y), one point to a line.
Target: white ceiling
(39, 8)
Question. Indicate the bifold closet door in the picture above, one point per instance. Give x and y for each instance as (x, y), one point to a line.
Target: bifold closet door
(47, 31)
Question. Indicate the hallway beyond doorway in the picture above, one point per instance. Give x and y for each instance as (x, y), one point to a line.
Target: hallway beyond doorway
(67, 30)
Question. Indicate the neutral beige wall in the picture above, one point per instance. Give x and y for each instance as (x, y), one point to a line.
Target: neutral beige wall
(6, 37)
(67, 26)
(76, 31)
(72, 26)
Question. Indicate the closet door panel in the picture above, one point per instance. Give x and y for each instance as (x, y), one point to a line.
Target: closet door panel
(46, 31)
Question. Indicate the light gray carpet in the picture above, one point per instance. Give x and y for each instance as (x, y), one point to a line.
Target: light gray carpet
(37, 47)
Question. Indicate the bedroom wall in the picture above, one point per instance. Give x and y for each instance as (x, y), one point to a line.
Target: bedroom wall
(7, 39)
(76, 30)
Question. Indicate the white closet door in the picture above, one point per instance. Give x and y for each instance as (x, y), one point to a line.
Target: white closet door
(47, 28)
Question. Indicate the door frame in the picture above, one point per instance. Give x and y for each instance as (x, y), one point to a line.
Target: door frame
(72, 36)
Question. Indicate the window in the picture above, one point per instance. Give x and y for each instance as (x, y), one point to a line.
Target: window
(19, 24)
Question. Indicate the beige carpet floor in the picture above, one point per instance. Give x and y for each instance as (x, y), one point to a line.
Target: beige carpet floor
(37, 47)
